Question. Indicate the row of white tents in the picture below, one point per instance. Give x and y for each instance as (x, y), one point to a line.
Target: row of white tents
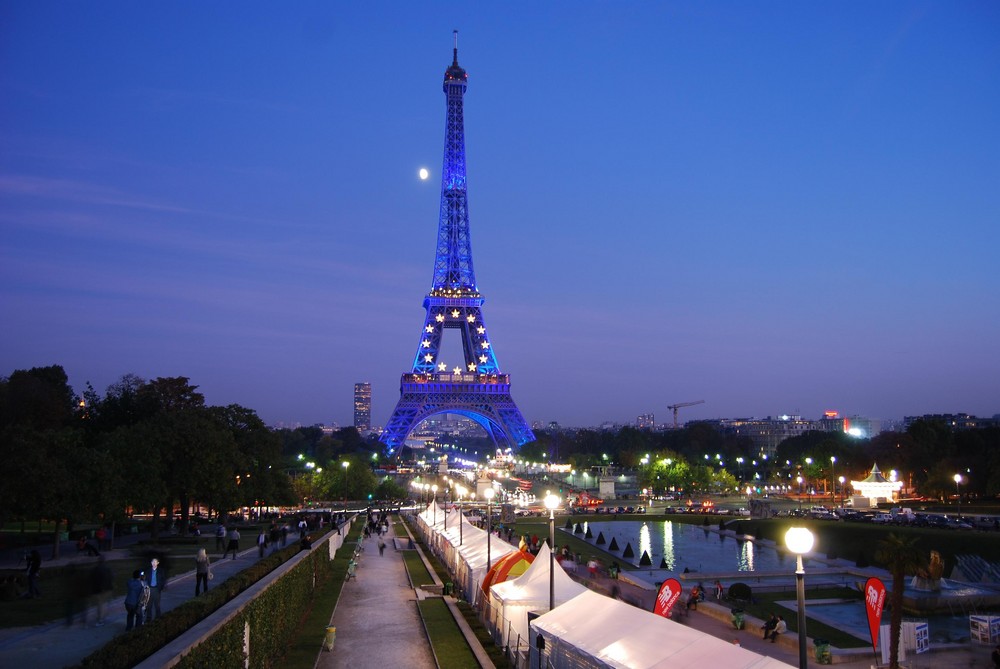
(585, 628)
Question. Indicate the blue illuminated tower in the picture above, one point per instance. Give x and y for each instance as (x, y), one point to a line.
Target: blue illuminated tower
(475, 389)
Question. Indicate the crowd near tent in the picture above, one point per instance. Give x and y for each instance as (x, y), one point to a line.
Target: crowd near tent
(511, 601)
(592, 630)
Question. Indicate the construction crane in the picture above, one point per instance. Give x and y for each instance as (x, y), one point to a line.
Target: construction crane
(675, 407)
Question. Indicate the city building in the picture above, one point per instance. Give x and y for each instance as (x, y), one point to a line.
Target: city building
(645, 421)
(956, 421)
(363, 406)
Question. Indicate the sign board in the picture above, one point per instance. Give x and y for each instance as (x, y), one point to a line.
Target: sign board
(874, 601)
(984, 629)
(668, 595)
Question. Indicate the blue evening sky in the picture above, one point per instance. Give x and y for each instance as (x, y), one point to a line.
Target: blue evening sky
(777, 207)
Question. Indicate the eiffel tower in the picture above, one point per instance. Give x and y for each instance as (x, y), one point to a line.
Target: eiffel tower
(477, 389)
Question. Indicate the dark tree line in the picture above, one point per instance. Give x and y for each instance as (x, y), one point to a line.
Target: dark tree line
(928, 454)
(142, 447)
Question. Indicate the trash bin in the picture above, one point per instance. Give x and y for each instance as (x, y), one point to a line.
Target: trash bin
(447, 587)
(738, 622)
(823, 654)
(330, 638)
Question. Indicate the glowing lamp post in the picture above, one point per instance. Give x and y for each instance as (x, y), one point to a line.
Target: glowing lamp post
(434, 490)
(799, 540)
(345, 464)
(488, 494)
(460, 492)
(551, 503)
(958, 491)
(843, 491)
(833, 479)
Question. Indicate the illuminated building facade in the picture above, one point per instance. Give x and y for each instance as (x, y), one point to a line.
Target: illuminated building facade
(363, 406)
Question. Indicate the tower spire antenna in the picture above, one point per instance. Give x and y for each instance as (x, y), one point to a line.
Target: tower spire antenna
(454, 51)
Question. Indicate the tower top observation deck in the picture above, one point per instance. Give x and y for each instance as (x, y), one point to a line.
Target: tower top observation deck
(455, 74)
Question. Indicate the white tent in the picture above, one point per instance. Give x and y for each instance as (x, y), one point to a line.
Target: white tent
(466, 550)
(511, 601)
(594, 630)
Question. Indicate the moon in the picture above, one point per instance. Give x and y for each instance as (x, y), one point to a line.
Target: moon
(423, 174)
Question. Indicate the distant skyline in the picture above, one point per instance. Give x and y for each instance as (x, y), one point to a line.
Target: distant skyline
(775, 208)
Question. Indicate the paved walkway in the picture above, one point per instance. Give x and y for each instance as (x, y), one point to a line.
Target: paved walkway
(376, 616)
(55, 644)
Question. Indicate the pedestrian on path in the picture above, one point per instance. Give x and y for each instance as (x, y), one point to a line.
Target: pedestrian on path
(157, 580)
(34, 566)
(220, 538)
(381, 547)
(203, 571)
(133, 595)
(261, 542)
(233, 539)
(102, 582)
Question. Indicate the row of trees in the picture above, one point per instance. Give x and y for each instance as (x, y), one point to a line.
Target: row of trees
(928, 454)
(142, 447)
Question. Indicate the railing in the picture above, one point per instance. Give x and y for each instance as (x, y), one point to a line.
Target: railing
(451, 377)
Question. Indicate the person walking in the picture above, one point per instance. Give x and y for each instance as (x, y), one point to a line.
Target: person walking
(34, 566)
(220, 538)
(157, 581)
(261, 542)
(102, 582)
(381, 547)
(233, 542)
(203, 571)
(133, 594)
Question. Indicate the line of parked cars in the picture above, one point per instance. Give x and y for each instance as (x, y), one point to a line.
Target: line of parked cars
(901, 516)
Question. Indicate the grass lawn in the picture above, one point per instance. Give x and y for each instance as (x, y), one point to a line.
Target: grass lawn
(59, 586)
(304, 646)
(450, 647)
(419, 576)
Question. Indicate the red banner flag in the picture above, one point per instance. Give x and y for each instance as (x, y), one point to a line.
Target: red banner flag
(874, 601)
(669, 593)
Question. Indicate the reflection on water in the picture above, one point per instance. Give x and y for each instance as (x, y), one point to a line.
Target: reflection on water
(682, 546)
(645, 542)
(746, 556)
(668, 544)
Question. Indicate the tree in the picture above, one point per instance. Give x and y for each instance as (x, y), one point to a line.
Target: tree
(40, 398)
(901, 557)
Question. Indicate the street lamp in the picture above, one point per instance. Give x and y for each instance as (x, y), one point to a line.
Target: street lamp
(833, 479)
(958, 479)
(551, 503)
(434, 490)
(460, 492)
(799, 479)
(345, 464)
(488, 494)
(800, 540)
(843, 490)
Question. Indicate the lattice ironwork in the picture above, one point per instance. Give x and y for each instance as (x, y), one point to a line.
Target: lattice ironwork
(476, 389)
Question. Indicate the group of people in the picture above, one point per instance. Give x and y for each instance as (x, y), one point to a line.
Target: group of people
(774, 626)
(143, 592)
